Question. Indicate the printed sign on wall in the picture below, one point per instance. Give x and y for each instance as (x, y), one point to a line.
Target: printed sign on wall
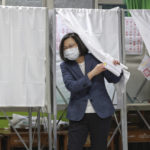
(145, 67)
(133, 39)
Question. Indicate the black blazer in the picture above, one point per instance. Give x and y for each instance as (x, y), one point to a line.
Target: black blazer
(82, 88)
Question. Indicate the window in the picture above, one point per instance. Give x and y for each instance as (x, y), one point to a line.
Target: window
(109, 6)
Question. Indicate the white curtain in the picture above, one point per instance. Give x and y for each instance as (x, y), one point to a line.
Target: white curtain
(22, 56)
(99, 30)
(142, 20)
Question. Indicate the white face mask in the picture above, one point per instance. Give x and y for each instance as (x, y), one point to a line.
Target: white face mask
(71, 53)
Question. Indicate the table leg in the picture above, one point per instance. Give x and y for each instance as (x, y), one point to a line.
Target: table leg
(65, 142)
(0, 143)
(8, 144)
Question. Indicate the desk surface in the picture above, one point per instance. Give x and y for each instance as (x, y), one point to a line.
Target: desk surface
(9, 132)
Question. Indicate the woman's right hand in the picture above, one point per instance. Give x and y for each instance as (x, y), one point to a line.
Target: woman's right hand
(97, 70)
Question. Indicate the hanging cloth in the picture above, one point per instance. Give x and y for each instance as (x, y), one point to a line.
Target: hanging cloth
(22, 56)
(99, 30)
(142, 21)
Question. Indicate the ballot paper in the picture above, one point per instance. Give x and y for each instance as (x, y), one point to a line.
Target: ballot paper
(144, 67)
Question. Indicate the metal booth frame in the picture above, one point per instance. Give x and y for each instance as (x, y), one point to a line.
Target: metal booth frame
(123, 108)
(37, 109)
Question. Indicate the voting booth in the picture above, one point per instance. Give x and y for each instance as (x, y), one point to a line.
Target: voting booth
(30, 75)
(24, 63)
(126, 43)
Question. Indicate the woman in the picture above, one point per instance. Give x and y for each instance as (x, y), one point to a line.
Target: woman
(90, 108)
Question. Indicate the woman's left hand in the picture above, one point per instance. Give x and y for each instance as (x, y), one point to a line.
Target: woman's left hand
(116, 62)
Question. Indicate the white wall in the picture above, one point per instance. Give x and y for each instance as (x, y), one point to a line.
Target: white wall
(37, 3)
(74, 3)
(50, 3)
(110, 1)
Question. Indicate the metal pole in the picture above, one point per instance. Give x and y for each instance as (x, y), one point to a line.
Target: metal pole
(49, 76)
(113, 97)
(49, 131)
(114, 133)
(20, 138)
(140, 89)
(63, 97)
(30, 128)
(117, 122)
(38, 129)
(140, 114)
(54, 82)
(124, 104)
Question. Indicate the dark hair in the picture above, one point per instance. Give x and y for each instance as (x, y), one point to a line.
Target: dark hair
(82, 48)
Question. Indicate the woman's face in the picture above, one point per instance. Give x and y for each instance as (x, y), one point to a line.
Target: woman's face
(70, 43)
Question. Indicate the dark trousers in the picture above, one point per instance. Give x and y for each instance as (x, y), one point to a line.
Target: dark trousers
(91, 123)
